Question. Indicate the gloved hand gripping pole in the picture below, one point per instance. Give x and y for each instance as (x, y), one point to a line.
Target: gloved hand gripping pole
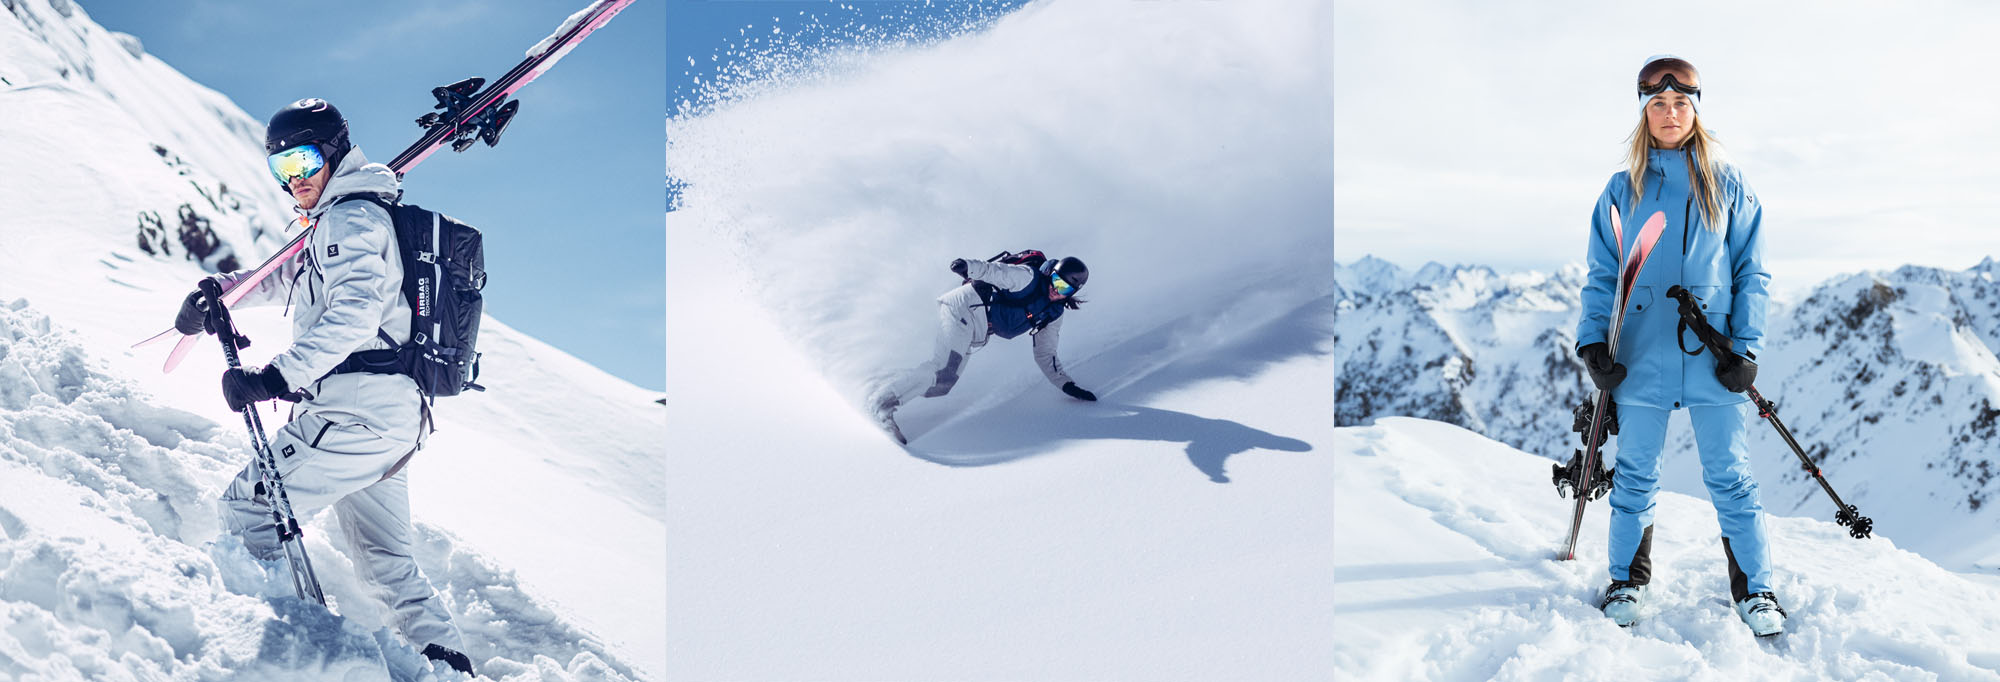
(1691, 319)
(290, 536)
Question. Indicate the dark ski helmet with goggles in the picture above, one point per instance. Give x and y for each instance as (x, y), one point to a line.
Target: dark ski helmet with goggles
(304, 137)
(1068, 273)
(1667, 72)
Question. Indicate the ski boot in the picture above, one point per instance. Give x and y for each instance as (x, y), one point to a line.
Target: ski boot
(1762, 613)
(456, 660)
(1622, 601)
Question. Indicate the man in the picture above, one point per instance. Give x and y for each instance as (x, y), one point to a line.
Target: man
(997, 299)
(353, 430)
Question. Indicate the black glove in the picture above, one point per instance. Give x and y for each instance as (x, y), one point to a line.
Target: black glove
(1735, 372)
(958, 266)
(193, 317)
(1078, 393)
(240, 388)
(1604, 372)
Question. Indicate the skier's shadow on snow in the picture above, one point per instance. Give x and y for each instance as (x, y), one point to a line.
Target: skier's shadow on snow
(1210, 442)
(1037, 420)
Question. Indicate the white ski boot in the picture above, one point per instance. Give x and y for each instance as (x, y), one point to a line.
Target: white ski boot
(1762, 613)
(1622, 601)
(884, 410)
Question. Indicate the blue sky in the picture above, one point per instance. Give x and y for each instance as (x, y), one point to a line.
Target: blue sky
(571, 199)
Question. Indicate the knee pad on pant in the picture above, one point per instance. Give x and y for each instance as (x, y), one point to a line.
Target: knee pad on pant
(947, 376)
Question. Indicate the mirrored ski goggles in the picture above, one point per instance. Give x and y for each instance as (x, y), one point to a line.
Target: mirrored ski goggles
(1062, 287)
(298, 162)
(1665, 74)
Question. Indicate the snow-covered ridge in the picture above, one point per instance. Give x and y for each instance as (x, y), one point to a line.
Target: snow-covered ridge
(1445, 544)
(123, 182)
(1887, 378)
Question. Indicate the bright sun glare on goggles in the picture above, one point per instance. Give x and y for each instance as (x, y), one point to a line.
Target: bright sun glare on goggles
(1674, 73)
(298, 162)
(1062, 288)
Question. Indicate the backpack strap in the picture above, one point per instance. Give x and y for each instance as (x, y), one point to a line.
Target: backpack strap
(383, 199)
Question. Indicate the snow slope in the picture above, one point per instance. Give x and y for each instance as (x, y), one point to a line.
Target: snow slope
(1175, 530)
(538, 503)
(1445, 543)
(1888, 379)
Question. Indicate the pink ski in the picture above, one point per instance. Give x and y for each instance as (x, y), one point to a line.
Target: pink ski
(1628, 273)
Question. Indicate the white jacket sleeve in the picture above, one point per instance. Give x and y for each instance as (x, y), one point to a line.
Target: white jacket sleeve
(352, 251)
(1045, 353)
(1006, 277)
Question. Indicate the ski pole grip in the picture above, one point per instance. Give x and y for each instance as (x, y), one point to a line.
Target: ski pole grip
(225, 328)
(1691, 318)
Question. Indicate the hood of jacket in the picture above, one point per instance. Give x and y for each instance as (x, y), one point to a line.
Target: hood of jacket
(355, 175)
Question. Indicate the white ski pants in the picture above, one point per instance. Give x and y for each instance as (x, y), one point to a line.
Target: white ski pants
(327, 463)
(961, 329)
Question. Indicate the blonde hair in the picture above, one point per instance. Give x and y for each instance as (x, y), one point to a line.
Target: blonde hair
(1703, 173)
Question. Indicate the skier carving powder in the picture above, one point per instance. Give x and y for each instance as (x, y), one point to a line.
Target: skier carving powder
(997, 299)
(352, 432)
(1713, 225)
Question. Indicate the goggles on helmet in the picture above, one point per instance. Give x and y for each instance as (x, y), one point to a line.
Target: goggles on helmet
(1672, 73)
(1062, 287)
(298, 162)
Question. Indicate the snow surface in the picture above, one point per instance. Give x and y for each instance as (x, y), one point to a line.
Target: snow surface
(1445, 543)
(1176, 530)
(538, 504)
(1887, 379)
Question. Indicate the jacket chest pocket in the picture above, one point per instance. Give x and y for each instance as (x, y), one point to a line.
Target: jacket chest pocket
(1714, 300)
(1639, 300)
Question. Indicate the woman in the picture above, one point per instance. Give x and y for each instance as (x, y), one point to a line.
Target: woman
(1711, 246)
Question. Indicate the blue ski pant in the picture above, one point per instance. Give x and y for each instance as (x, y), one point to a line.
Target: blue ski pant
(1720, 437)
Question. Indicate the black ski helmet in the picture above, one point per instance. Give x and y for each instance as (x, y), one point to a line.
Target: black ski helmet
(310, 120)
(1073, 271)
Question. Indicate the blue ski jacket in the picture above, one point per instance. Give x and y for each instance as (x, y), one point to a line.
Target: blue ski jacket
(1724, 269)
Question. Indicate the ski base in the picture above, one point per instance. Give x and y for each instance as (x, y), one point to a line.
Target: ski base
(888, 424)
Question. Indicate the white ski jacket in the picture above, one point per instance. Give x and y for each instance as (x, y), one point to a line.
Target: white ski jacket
(344, 292)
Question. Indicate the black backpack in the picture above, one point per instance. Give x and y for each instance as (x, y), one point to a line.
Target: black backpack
(444, 267)
(1028, 257)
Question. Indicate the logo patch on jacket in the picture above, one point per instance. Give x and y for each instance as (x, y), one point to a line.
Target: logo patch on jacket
(333, 251)
(288, 452)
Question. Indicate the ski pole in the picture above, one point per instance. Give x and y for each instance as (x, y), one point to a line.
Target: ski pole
(290, 537)
(1691, 319)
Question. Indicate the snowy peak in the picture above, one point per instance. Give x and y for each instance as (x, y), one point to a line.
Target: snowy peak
(1466, 345)
(1368, 276)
